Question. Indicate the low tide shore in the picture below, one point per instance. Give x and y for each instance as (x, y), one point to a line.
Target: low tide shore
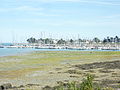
(39, 69)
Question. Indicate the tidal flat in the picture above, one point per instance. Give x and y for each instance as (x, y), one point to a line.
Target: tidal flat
(46, 68)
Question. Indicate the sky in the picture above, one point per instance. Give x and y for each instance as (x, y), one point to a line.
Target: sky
(22, 19)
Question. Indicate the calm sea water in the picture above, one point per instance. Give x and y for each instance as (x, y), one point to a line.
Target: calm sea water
(17, 51)
(12, 51)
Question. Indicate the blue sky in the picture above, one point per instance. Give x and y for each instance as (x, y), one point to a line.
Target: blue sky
(21, 19)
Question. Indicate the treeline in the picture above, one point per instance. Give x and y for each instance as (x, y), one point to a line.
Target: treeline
(115, 39)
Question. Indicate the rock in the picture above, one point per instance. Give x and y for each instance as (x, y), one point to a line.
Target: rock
(5, 86)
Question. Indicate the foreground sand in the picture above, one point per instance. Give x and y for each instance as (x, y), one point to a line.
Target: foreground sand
(39, 69)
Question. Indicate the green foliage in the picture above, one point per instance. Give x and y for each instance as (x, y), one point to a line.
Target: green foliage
(68, 86)
(87, 84)
(97, 40)
(31, 40)
(61, 41)
(71, 41)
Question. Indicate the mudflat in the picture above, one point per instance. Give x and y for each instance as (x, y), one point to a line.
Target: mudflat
(47, 68)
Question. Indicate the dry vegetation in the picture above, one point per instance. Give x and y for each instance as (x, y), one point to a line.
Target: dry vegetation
(43, 68)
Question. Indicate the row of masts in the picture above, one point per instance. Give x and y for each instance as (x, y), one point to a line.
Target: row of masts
(44, 35)
(79, 45)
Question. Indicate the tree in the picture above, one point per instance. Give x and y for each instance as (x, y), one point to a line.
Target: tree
(116, 39)
(48, 41)
(79, 40)
(71, 41)
(105, 40)
(96, 40)
(31, 40)
(111, 39)
(40, 40)
(61, 41)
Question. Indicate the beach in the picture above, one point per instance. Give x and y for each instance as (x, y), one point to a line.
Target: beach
(38, 69)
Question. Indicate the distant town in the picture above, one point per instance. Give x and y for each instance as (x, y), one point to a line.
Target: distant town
(108, 43)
